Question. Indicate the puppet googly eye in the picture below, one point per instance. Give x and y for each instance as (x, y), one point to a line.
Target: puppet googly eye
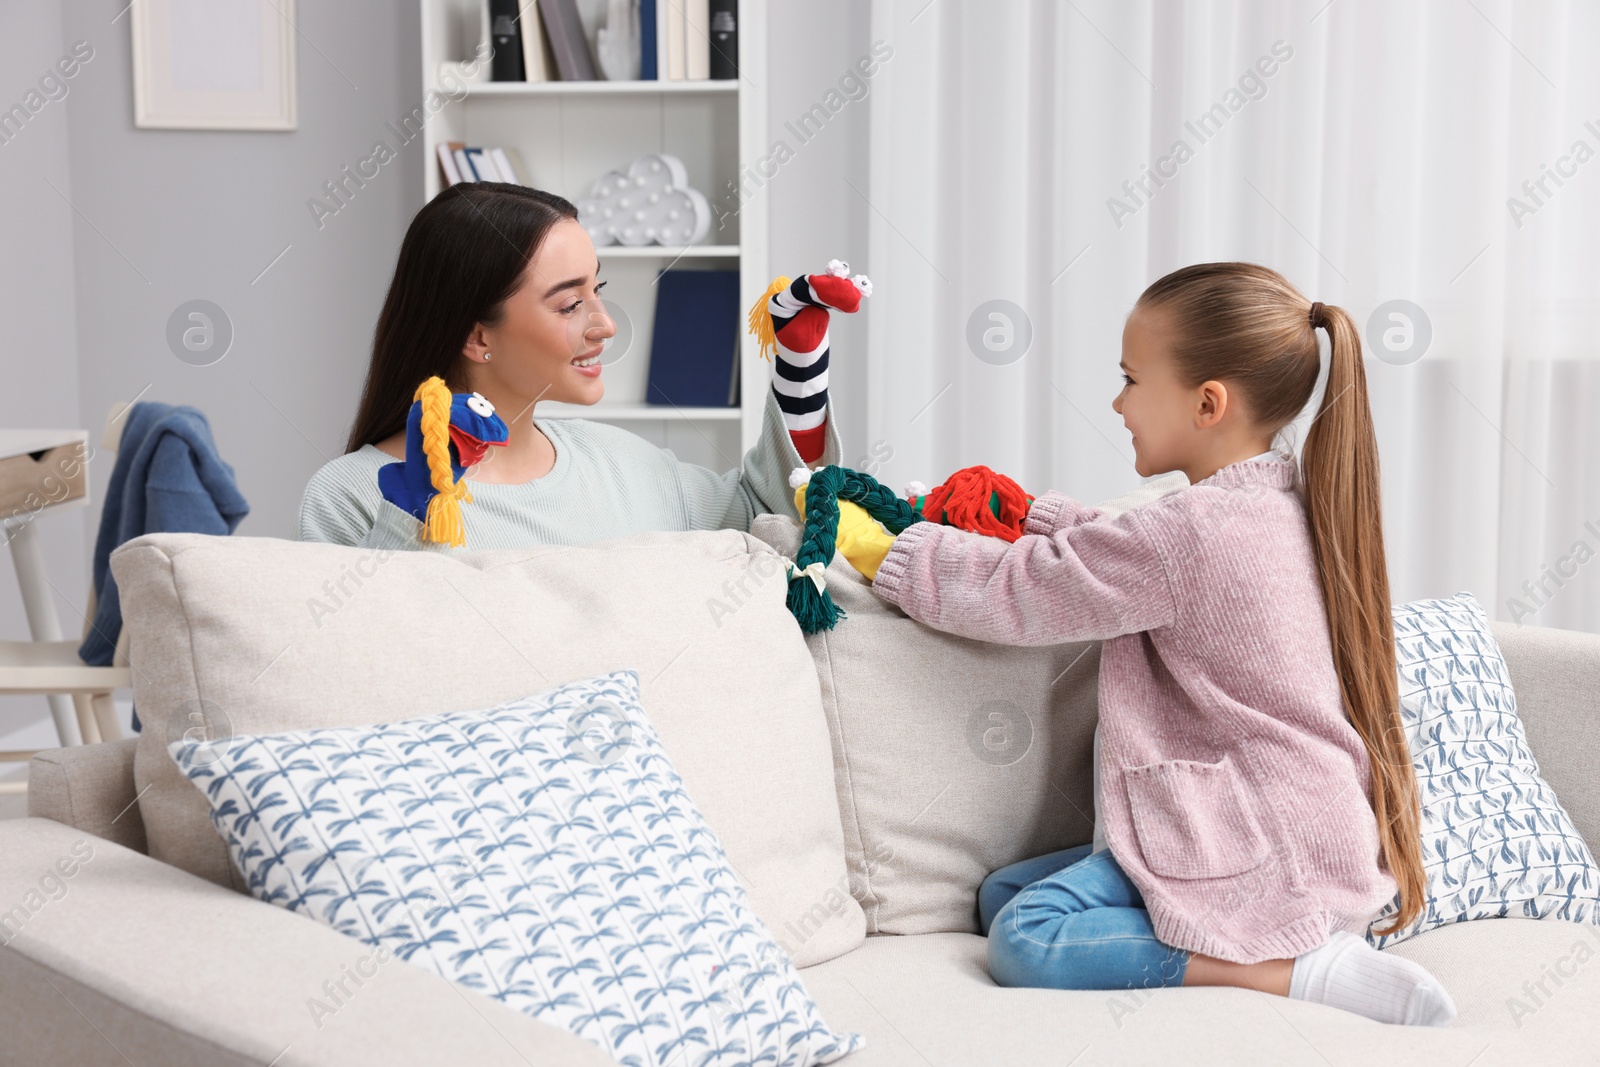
(480, 404)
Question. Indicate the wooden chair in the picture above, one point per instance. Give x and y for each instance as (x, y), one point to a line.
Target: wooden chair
(48, 665)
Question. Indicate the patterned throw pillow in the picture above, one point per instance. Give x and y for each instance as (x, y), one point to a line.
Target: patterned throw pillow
(1495, 840)
(543, 852)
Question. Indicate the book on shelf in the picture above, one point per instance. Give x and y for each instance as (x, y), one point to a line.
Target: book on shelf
(686, 39)
(724, 39)
(568, 43)
(459, 162)
(482, 166)
(694, 352)
(447, 161)
(537, 63)
(673, 56)
(647, 40)
(509, 162)
(697, 40)
(506, 63)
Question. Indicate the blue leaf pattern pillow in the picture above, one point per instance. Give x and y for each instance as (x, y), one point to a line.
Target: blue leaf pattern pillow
(1495, 840)
(542, 852)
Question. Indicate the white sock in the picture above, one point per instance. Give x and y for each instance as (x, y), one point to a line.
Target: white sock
(1350, 974)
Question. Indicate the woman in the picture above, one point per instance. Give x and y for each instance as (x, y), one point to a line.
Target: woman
(497, 292)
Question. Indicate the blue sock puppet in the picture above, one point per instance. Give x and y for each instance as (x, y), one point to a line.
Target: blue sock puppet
(445, 434)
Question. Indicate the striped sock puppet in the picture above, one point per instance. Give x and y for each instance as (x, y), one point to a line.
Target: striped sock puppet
(791, 322)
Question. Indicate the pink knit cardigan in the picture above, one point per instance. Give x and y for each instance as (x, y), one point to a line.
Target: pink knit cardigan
(1233, 789)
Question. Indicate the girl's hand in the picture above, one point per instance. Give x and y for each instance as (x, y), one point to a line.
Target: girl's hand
(861, 539)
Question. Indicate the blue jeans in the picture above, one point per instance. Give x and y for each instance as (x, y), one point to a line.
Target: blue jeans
(1073, 920)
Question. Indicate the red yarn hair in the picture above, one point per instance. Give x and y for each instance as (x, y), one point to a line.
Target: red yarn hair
(970, 498)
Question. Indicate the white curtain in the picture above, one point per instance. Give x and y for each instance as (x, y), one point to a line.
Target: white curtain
(1366, 149)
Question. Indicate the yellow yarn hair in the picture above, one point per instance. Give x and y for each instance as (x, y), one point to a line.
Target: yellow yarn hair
(761, 319)
(444, 510)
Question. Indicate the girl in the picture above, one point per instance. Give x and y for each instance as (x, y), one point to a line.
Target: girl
(496, 292)
(1255, 798)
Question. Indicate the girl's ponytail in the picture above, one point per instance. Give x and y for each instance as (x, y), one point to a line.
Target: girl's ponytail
(1339, 469)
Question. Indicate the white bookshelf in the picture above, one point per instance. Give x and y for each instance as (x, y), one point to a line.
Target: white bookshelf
(655, 88)
(568, 134)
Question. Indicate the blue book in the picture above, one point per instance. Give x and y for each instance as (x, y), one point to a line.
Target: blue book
(696, 344)
(647, 40)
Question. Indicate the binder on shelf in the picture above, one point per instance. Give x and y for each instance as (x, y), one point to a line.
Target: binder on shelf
(647, 40)
(724, 39)
(463, 164)
(697, 40)
(506, 64)
(694, 352)
(567, 40)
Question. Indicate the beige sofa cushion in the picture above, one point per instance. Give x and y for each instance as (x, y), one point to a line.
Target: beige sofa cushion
(929, 999)
(89, 787)
(266, 635)
(953, 757)
(141, 964)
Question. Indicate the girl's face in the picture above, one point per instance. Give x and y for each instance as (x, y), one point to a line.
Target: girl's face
(1154, 405)
(551, 327)
(1196, 429)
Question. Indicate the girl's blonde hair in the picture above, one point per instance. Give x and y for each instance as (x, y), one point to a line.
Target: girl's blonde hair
(1246, 326)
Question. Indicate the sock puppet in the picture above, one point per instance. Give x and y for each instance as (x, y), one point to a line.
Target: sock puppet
(849, 512)
(445, 434)
(791, 323)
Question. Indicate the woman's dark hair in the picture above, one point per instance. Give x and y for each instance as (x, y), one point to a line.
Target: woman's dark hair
(464, 253)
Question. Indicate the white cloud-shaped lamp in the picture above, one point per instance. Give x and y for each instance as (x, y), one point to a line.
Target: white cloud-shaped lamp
(650, 204)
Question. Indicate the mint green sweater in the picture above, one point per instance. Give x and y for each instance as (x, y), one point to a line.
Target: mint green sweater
(606, 482)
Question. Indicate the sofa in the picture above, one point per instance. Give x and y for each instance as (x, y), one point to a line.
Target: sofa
(862, 781)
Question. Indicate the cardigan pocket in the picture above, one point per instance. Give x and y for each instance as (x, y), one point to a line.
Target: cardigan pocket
(1192, 819)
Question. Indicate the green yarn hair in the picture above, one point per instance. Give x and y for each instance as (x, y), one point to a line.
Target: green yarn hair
(813, 608)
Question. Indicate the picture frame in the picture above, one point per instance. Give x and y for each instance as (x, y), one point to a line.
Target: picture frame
(214, 64)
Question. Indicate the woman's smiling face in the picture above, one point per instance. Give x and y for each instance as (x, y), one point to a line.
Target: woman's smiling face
(552, 326)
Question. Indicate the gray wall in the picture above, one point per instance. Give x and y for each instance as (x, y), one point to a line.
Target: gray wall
(39, 357)
(167, 216)
(192, 214)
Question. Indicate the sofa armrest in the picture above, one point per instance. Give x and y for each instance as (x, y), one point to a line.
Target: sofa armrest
(90, 788)
(112, 957)
(1556, 676)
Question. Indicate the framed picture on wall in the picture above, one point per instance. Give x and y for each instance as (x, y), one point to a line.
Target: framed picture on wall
(214, 64)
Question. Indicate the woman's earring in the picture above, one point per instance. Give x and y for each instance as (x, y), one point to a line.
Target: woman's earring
(486, 357)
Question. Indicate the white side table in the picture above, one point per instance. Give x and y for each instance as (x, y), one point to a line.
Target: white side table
(42, 472)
